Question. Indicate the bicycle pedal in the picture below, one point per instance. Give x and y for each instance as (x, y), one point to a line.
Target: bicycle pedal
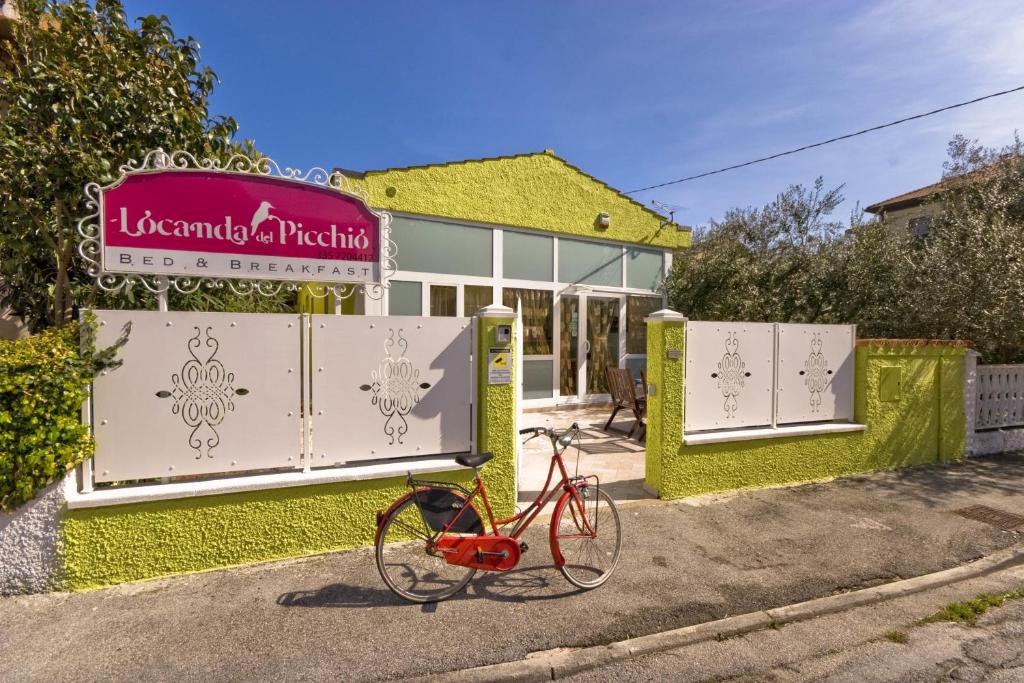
(523, 547)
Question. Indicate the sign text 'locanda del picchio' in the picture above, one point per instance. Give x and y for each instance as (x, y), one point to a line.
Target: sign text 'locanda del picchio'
(216, 224)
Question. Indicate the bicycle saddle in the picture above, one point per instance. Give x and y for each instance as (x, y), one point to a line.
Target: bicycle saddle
(473, 459)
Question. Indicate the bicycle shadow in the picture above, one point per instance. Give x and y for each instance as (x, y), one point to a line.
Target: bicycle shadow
(523, 585)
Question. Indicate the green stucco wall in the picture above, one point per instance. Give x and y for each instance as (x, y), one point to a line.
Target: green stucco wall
(667, 399)
(307, 303)
(538, 191)
(924, 422)
(120, 543)
(496, 422)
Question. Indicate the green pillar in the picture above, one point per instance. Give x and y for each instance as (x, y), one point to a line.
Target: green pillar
(666, 357)
(496, 410)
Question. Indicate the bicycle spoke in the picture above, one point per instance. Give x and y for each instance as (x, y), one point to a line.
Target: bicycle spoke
(589, 536)
(408, 567)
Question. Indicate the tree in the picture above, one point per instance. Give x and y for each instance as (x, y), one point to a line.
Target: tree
(82, 93)
(966, 277)
(767, 264)
(789, 262)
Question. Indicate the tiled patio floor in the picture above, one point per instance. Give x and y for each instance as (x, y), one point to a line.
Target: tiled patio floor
(617, 460)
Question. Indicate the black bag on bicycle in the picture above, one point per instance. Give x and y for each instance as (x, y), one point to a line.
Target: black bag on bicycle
(439, 504)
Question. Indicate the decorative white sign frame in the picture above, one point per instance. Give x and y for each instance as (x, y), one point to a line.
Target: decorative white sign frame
(90, 247)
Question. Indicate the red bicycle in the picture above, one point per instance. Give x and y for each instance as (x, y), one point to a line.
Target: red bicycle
(431, 541)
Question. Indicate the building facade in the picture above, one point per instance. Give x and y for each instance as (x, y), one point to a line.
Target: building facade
(581, 262)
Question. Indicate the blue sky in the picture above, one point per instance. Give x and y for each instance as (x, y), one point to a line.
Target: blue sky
(634, 93)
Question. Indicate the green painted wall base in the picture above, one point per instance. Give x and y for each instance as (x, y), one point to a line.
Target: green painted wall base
(910, 397)
(121, 543)
(116, 544)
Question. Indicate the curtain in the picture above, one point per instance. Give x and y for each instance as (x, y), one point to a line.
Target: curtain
(602, 317)
(475, 297)
(569, 329)
(442, 300)
(537, 304)
(638, 308)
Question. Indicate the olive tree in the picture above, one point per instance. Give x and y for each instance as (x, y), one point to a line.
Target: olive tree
(82, 91)
(791, 262)
(765, 264)
(965, 279)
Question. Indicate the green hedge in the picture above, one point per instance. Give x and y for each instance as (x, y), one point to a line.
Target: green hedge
(43, 381)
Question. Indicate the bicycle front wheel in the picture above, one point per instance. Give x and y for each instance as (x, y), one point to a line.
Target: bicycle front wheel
(408, 565)
(587, 535)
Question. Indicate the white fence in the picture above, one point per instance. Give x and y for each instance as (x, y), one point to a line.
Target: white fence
(766, 374)
(1000, 391)
(214, 393)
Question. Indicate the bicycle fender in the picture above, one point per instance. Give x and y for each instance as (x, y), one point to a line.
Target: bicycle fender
(556, 552)
(383, 516)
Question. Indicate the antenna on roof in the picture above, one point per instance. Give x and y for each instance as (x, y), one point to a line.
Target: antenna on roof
(670, 209)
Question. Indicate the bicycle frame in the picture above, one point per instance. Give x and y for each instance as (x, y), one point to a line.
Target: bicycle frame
(568, 486)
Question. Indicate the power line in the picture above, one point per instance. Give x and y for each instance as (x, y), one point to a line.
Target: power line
(829, 141)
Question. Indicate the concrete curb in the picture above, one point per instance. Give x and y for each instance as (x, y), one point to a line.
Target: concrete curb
(564, 664)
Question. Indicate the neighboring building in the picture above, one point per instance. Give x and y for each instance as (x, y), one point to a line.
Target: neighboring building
(912, 211)
(8, 15)
(585, 261)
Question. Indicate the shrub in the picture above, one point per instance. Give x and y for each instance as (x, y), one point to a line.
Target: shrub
(43, 381)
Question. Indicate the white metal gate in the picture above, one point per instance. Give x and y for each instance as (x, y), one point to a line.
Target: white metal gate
(389, 387)
(814, 376)
(767, 374)
(728, 375)
(198, 393)
(219, 393)
(1000, 396)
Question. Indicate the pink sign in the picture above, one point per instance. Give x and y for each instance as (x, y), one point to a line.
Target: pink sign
(218, 224)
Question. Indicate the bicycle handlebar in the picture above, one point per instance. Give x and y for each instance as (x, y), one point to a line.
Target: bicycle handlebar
(548, 432)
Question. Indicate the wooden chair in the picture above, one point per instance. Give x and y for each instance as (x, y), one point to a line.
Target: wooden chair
(624, 395)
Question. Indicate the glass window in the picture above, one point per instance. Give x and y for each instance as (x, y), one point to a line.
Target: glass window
(475, 297)
(442, 300)
(589, 263)
(920, 226)
(537, 379)
(638, 308)
(644, 268)
(528, 257)
(405, 298)
(537, 339)
(434, 247)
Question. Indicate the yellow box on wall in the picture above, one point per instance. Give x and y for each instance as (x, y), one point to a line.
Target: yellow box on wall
(889, 382)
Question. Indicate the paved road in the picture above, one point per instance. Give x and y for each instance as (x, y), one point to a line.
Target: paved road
(851, 647)
(330, 616)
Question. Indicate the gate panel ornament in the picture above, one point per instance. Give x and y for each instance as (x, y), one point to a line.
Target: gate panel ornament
(198, 393)
(815, 373)
(396, 387)
(733, 362)
(203, 392)
(174, 221)
(730, 375)
(416, 399)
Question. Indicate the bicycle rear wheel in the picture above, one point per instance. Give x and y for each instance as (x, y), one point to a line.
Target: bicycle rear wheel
(590, 550)
(407, 564)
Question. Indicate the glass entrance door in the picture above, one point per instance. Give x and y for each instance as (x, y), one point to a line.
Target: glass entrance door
(601, 343)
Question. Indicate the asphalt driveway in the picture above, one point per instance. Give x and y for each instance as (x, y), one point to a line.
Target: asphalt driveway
(331, 617)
